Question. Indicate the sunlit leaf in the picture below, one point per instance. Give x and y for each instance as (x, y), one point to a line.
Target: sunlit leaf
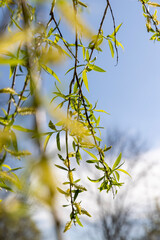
(153, 4)
(68, 226)
(111, 47)
(117, 161)
(47, 69)
(78, 221)
(91, 154)
(97, 180)
(85, 80)
(124, 171)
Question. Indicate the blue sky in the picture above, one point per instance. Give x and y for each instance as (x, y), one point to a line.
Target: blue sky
(129, 91)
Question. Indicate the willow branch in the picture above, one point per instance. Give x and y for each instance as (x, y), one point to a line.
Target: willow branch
(151, 17)
(13, 84)
(99, 30)
(114, 27)
(60, 33)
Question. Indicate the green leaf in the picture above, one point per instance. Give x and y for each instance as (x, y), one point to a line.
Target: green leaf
(82, 4)
(52, 126)
(107, 148)
(11, 71)
(99, 110)
(78, 221)
(22, 129)
(61, 191)
(76, 193)
(98, 139)
(58, 166)
(92, 161)
(47, 140)
(85, 80)
(153, 4)
(58, 141)
(16, 24)
(117, 175)
(95, 68)
(124, 171)
(68, 226)
(60, 157)
(84, 52)
(111, 47)
(116, 29)
(117, 161)
(26, 111)
(14, 140)
(85, 212)
(11, 61)
(7, 90)
(91, 154)
(18, 153)
(50, 71)
(87, 55)
(98, 180)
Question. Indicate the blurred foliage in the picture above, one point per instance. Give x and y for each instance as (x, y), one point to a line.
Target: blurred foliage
(15, 224)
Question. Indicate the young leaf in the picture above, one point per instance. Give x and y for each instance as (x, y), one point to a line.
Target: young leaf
(7, 90)
(47, 140)
(22, 129)
(98, 180)
(58, 141)
(117, 161)
(52, 126)
(48, 70)
(82, 4)
(78, 221)
(26, 111)
(85, 80)
(153, 4)
(92, 161)
(111, 47)
(68, 226)
(95, 68)
(91, 154)
(85, 212)
(116, 30)
(117, 175)
(124, 171)
(58, 166)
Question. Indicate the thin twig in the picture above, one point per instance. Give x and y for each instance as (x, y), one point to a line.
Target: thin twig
(99, 30)
(13, 84)
(60, 33)
(114, 27)
(151, 17)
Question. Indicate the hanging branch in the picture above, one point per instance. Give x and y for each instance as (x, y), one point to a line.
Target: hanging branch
(114, 27)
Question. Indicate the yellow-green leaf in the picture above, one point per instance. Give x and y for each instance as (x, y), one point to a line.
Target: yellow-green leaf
(50, 71)
(85, 80)
(100, 110)
(124, 171)
(68, 226)
(117, 161)
(153, 4)
(111, 47)
(91, 154)
(7, 90)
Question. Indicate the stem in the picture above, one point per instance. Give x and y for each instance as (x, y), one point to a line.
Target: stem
(13, 84)
(100, 28)
(60, 33)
